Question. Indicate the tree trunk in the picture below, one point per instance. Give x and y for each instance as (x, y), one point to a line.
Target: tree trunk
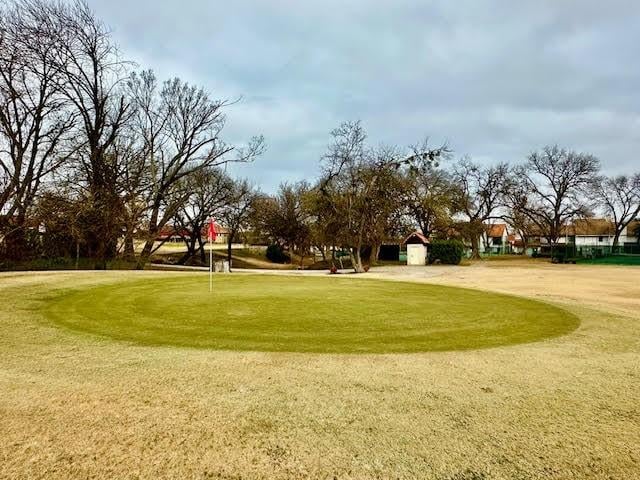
(616, 240)
(107, 215)
(356, 260)
(475, 247)
(229, 241)
(191, 251)
(203, 256)
(375, 253)
(100, 262)
(145, 254)
(129, 250)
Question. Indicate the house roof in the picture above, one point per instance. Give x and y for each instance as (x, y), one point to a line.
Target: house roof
(591, 227)
(496, 230)
(220, 230)
(416, 236)
(169, 231)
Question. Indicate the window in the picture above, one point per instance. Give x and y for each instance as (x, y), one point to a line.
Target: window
(496, 240)
(601, 239)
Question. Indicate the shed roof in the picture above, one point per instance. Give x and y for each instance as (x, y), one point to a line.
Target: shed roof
(416, 237)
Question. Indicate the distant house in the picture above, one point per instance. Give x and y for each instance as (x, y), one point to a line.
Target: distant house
(599, 232)
(514, 245)
(496, 239)
(171, 233)
(532, 245)
(632, 233)
(416, 244)
(222, 233)
(588, 235)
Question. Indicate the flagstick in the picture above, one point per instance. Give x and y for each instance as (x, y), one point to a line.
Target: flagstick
(210, 265)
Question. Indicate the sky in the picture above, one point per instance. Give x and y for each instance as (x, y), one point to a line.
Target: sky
(493, 79)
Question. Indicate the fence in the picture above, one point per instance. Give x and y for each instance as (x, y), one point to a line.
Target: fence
(607, 250)
(596, 254)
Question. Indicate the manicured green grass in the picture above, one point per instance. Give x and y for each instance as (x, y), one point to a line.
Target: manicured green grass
(305, 314)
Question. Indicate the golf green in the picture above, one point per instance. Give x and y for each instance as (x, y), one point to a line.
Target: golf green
(305, 314)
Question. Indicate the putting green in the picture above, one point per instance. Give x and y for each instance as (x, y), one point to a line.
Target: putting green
(305, 314)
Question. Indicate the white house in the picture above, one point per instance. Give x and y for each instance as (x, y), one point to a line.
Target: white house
(599, 232)
(589, 235)
(495, 239)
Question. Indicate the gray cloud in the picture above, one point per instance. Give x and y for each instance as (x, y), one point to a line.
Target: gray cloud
(495, 79)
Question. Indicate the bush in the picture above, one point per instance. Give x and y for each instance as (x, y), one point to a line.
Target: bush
(276, 254)
(446, 251)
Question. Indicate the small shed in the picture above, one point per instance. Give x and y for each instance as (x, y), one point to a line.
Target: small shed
(416, 244)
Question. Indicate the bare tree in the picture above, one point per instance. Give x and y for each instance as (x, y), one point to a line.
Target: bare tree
(429, 197)
(92, 73)
(284, 218)
(553, 183)
(34, 119)
(179, 126)
(325, 225)
(353, 180)
(209, 191)
(346, 186)
(237, 211)
(620, 199)
(134, 181)
(384, 214)
(517, 216)
(482, 192)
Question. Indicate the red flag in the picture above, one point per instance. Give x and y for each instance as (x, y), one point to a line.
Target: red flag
(212, 231)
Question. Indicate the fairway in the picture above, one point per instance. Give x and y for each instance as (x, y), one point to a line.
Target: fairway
(310, 314)
(96, 382)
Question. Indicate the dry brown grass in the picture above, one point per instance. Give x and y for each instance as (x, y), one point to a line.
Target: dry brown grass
(74, 406)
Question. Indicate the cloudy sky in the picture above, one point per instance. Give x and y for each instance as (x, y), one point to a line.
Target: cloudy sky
(494, 79)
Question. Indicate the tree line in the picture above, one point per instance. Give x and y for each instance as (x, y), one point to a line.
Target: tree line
(92, 152)
(98, 157)
(366, 196)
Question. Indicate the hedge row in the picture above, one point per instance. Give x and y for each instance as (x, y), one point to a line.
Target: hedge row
(446, 251)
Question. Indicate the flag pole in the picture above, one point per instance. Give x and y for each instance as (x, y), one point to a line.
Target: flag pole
(211, 234)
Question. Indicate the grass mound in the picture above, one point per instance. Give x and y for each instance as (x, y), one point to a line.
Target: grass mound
(305, 314)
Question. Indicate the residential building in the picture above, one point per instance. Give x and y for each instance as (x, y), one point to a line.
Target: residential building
(496, 239)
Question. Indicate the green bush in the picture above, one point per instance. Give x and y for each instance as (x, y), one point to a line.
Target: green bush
(446, 251)
(276, 254)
